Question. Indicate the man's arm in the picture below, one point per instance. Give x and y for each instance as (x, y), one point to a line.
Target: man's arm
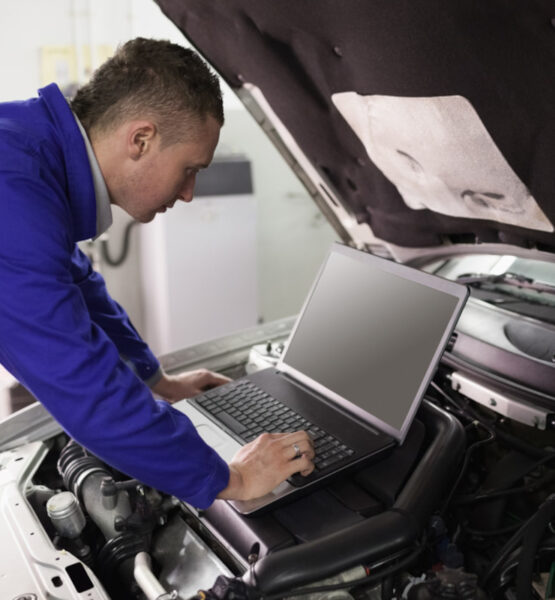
(112, 318)
(115, 322)
(50, 344)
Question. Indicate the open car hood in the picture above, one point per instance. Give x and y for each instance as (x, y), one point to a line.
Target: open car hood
(425, 126)
(416, 124)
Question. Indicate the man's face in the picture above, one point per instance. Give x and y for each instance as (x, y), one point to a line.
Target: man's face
(163, 175)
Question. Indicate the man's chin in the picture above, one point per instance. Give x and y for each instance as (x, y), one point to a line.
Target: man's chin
(146, 218)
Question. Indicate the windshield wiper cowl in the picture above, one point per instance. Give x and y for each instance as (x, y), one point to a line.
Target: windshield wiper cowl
(509, 278)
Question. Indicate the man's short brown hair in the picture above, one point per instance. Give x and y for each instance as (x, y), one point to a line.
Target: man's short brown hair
(152, 79)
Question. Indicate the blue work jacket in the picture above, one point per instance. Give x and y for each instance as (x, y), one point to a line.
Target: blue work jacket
(61, 334)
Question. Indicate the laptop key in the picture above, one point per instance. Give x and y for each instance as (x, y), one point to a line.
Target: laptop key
(232, 423)
(248, 413)
(315, 434)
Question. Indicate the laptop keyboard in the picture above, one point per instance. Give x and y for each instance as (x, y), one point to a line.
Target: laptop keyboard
(249, 411)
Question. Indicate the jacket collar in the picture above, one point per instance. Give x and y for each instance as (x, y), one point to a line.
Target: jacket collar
(78, 172)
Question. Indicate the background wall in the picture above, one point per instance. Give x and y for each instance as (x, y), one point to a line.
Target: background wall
(64, 40)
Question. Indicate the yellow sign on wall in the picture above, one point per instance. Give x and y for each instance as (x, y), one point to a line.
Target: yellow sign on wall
(68, 68)
(59, 64)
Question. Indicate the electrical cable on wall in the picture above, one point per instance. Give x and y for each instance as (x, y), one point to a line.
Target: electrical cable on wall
(116, 262)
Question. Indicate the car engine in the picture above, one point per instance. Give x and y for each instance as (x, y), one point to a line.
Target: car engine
(72, 527)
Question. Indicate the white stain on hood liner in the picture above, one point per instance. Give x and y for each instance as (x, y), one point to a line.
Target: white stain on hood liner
(438, 154)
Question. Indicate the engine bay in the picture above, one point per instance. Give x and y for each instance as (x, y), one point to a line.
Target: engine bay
(463, 509)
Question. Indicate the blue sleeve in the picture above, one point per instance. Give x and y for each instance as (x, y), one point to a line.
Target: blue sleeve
(112, 318)
(50, 343)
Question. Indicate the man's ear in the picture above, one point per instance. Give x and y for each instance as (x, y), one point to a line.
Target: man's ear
(141, 136)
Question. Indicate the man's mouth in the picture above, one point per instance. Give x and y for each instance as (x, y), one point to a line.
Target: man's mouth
(164, 207)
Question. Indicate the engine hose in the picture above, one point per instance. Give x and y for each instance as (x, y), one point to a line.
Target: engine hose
(87, 477)
(521, 445)
(530, 542)
(74, 462)
(70, 452)
(147, 581)
(507, 575)
(378, 536)
(514, 542)
(118, 550)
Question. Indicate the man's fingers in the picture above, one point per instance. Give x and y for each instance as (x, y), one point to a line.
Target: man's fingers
(293, 445)
(219, 379)
(291, 438)
(295, 451)
(209, 379)
(302, 465)
(301, 447)
(261, 465)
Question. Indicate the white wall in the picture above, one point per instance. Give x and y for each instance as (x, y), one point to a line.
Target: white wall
(292, 235)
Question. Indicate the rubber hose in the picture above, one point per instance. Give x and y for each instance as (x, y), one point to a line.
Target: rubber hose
(531, 541)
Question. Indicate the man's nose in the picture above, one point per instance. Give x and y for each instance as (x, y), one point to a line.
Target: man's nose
(188, 188)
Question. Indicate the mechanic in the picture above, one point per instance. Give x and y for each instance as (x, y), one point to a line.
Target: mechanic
(135, 136)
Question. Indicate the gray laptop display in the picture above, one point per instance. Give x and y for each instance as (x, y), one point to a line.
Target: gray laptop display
(358, 361)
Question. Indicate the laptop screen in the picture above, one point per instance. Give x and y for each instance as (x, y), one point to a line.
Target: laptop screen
(371, 334)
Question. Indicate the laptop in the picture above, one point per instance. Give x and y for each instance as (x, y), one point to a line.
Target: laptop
(357, 363)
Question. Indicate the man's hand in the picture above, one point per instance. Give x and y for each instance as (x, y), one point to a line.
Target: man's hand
(265, 462)
(186, 385)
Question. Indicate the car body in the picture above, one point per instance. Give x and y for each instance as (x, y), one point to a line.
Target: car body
(425, 132)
